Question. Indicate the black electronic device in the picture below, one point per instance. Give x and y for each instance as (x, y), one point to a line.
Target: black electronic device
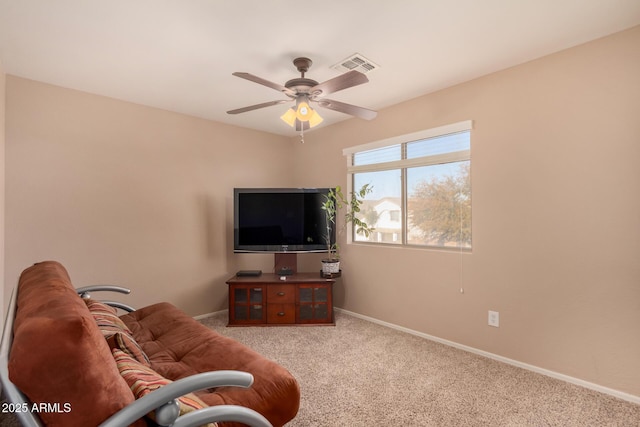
(285, 271)
(249, 273)
(279, 220)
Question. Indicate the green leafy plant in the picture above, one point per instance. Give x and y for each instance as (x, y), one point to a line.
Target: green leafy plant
(333, 203)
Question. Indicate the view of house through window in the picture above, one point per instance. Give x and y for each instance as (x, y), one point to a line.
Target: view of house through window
(421, 188)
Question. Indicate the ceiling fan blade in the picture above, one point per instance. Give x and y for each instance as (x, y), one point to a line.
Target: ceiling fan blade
(363, 113)
(264, 82)
(343, 81)
(257, 106)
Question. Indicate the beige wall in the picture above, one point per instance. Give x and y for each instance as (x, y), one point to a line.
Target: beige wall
(129, 195)
(142, 197)
(556, 216)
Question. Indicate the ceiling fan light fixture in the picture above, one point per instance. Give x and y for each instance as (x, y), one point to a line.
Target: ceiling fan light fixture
(289, 117)
(302, 113)
(315, 119)
(305, 113)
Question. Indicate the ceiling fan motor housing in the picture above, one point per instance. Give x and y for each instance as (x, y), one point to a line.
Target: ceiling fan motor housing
(300, 85)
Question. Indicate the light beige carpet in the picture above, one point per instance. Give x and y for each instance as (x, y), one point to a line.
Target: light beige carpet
(362, 374)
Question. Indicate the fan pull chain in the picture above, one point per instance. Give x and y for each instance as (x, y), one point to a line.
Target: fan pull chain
(302, 135)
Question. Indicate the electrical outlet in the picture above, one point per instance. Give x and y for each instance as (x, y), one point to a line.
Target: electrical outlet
(494, 318)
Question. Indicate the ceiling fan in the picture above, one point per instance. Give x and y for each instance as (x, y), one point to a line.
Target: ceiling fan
(305, 92)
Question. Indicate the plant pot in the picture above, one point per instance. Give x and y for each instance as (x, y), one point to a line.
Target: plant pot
(330, 266)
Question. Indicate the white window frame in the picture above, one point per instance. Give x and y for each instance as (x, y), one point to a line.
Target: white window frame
(451, 157)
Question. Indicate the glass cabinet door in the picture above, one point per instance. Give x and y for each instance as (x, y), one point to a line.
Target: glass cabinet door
(247, 303)
(314, 304)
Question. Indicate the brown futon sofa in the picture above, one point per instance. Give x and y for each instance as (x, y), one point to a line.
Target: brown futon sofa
(77, 363)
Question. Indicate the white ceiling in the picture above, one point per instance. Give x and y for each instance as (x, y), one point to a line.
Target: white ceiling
(178, 55)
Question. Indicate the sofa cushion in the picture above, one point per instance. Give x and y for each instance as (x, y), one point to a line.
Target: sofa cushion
(106, 317)
(115, 331)
(127, 344)
(143, 380)
(59, 355)
(179, 346)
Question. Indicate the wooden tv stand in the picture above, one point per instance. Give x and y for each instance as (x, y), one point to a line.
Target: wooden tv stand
(268, 300)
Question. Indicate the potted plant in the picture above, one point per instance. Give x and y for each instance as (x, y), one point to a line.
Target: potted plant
(333, 202)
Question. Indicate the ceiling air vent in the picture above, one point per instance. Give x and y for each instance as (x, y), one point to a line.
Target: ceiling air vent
(356, 62)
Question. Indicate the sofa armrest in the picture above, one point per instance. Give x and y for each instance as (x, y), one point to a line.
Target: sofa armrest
(167, 393)
(118, 304)
(220, 413)
(84, 291)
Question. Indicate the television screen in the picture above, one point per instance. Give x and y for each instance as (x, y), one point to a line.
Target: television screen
(280, 220)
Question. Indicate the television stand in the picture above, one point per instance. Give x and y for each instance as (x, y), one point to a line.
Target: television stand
(274, 300)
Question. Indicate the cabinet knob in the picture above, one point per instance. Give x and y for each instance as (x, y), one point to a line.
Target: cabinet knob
(281, 313)
(280, 294)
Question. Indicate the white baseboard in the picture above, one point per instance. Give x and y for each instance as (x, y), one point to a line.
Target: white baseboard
(207, 315)
(586, 384)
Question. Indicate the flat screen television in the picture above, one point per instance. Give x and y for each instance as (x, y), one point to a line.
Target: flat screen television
(280, 220)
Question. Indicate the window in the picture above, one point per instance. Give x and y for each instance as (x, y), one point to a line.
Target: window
(421, 187)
